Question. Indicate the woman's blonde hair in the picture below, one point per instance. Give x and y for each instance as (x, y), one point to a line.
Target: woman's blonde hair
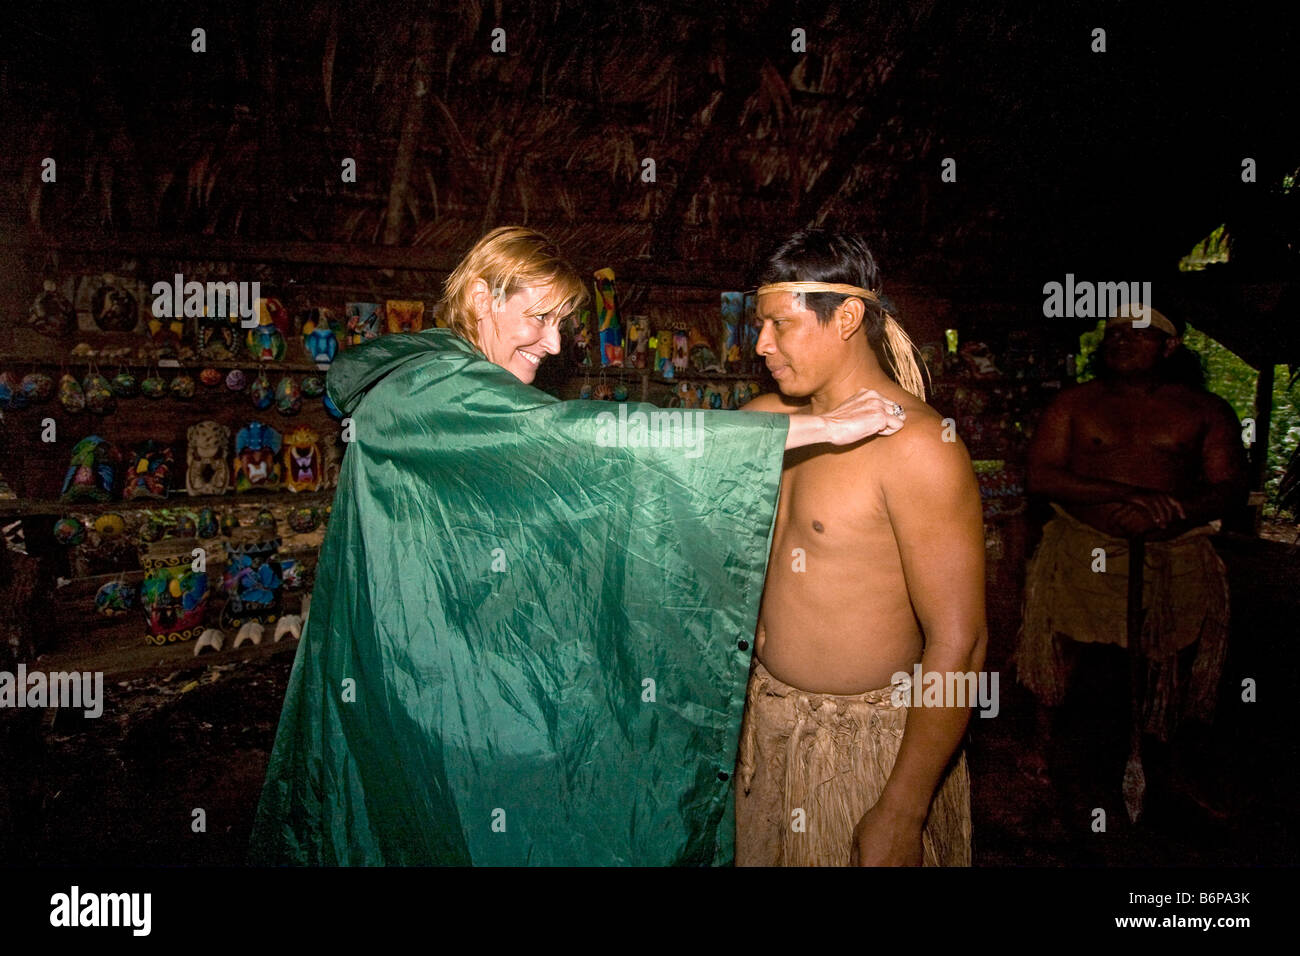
(508, 259)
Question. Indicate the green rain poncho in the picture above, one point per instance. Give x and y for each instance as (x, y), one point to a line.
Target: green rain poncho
(530, 630)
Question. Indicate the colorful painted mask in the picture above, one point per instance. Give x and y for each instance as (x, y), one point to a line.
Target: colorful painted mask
(207, 468)
(113, 308)
(266, 340)
(404, 315)
(174, 596)
(261, 392)
(288, 396)
(322, 345)
(71, 397)
(99, 395)
(253, 581)
(51, 313)
(302, 460)
(257, 451)
(364, 320)
(92, 475)
(149, 474)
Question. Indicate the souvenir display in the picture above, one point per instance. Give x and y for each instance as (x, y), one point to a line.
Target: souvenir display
(148, 474)
(110, 525)
(607, 321)
(701, 352)
(52, 313)
(174, 596)
(229, 522)
(165, 333)
(272, 310)
(155, 386)
(207, 467)
(265, 521)
(257, 450)
(261, 392)
(236, 380)
(404, 315)
(320, 336)
(182, 388)
(71, 397)
(288, 396)
(99, 394)
(313, 386)
(125, 385)
(252, 582)
(208, 525)
(979, 360)
(69, 532)
(289, 572)
(114, 308)
(115, 599)
(92, 475)
(304, 520)
(211, 377)
(620, 392)
(664, 354)
(303, 463)
(38, 387)
(364, 320)
(681, 351)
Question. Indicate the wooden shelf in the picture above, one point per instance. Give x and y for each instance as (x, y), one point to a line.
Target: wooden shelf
(20, 506)
(175, 365)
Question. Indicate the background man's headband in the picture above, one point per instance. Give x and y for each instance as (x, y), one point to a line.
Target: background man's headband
(1139, 317)
(898, 348)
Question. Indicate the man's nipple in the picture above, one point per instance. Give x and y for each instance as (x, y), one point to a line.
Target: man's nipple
(817, 526)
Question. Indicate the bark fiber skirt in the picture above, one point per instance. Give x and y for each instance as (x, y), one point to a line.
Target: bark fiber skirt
(830, 756)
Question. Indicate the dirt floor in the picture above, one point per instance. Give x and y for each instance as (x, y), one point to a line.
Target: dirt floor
(123, 788)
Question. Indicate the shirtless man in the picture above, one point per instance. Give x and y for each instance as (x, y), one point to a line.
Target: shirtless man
(877, 563)
(1143, 450)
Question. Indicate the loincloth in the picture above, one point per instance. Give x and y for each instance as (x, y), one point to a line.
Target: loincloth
(1185, 598)
(829, 756)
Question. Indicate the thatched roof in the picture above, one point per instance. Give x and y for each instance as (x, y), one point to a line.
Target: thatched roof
(1067, 159)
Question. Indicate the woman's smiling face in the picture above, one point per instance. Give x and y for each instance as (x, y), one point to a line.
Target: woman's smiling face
(514, 333)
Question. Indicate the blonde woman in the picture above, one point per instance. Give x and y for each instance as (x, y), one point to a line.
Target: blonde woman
(531, 624)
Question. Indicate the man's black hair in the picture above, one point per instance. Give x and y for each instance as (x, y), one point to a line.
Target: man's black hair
(820, 255)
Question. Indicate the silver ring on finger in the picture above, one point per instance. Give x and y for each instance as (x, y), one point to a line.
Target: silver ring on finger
(896, 410)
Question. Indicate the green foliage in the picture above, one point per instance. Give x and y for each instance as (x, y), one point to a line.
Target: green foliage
(1233, 380)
